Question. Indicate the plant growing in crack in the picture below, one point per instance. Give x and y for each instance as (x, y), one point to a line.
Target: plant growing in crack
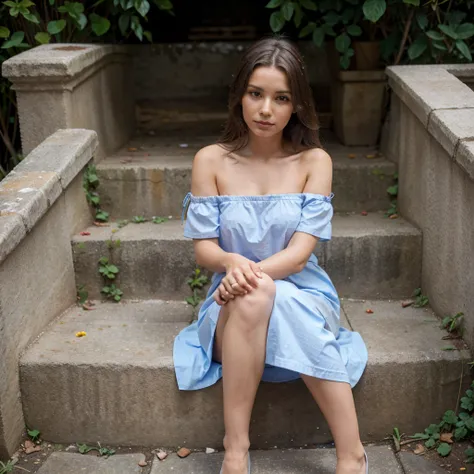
(109, 273)
(90, 183)
(196, 282)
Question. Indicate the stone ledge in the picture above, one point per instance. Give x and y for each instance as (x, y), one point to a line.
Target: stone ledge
(57, 60)
(38, 181)
(450, 127)
(427, 88)
(465, 157)
(444, 104)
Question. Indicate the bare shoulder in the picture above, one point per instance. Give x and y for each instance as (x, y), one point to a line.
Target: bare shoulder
(205, 164)
(208, 155)
(318, 165)
(317, 158)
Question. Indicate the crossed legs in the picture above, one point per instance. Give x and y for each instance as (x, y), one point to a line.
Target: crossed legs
(240, 344)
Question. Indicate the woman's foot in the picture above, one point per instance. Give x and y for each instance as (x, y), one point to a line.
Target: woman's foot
(235, 463)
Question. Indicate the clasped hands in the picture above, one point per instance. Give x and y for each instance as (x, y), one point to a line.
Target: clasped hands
(242, 276)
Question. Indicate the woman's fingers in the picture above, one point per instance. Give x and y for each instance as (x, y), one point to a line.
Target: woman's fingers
(228, 286)
(256, 269)
(241, 280)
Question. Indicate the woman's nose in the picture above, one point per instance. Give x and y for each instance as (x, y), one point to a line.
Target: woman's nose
(266, 107)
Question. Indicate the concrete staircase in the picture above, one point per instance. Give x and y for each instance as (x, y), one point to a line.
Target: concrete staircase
(117, 384)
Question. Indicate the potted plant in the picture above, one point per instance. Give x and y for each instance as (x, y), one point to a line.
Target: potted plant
(363, 36)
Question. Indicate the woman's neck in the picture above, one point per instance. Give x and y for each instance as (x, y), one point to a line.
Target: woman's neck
(265, 148)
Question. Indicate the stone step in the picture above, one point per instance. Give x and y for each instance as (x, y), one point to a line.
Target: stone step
(152, 174)
(382, 460)
(368, 257)
(117, 384)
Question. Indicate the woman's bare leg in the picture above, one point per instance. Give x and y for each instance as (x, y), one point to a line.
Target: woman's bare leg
(336, 402)
(240, 344)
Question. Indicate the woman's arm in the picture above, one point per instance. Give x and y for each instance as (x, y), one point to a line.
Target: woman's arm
(294, 257)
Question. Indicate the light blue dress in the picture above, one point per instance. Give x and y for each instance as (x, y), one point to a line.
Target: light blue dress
(304, 335)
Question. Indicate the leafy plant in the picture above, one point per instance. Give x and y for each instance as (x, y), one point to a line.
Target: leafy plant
(8, 467)
(84, 448)
(82, 295)
(196, 283)
(420, 299)
(452, 323)
(139, 219)
(25, 24)
(90, 183)
(111, 291)
(106, 269)
(159, 220)
(408, 30)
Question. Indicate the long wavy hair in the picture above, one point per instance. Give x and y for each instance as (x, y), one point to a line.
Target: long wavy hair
(302, 130)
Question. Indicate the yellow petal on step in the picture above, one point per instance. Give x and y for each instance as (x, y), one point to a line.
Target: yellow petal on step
(81, 334)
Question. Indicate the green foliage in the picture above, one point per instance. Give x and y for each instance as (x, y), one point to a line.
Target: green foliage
(106, 269)
(409, 31)
(139, 219)
(196, 283)
(159, 220)
(111, 291)
(420, 299)
(25, 24)
(8, 467)
(84, 448)
(452, 323)
(90, 183)
(460, 426)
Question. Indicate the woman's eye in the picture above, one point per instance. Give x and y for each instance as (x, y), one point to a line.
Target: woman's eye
(283, 98)
(254, 93)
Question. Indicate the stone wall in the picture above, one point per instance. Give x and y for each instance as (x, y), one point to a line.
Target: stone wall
(206, 69)
(62, 86)
(42, 204)
(430, 133)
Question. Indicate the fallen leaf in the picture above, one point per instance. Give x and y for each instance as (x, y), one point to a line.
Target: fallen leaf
(142, 463)
(364, 213)
(132, 149)
(161, 455)
(369, 311)
(420, 449)
(87, 307)
(101, 224)
(407, 303)
(446, 438)
(370, 157)
(351, 156)
(184, 452)
(394, 216)
(31, 447)
(85, 233)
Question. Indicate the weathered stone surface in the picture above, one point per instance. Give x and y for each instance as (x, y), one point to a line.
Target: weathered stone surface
(278, 461)
(152, 174)
(465, 157)
(437, 195)
(427, 88)
(413, 464)
(12, 232)
(122, 376)
(61, 86)
(71, 463)
(368, 256)
(65, 153)
(449, 127)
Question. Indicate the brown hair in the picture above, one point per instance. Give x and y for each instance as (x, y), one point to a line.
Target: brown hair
(302, 129)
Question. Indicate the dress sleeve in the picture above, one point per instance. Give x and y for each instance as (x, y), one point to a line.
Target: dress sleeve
(316, 215)
(202, 217)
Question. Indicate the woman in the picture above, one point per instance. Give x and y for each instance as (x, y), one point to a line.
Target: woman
(261, 200)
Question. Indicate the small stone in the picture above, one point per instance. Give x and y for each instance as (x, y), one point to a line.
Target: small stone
(184, 452)
(210, 450)
(369, 311)
(142, 463)
(161, 455)
(364, 213)
(70, 447)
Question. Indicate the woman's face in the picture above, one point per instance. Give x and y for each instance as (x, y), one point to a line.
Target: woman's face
(267, 104)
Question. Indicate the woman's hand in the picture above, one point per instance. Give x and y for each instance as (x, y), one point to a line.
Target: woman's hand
(242, 276)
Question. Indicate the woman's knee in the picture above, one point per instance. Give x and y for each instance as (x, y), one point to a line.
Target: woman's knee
(256, 306)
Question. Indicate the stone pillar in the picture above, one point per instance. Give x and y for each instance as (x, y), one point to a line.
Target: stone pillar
(61, 86)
